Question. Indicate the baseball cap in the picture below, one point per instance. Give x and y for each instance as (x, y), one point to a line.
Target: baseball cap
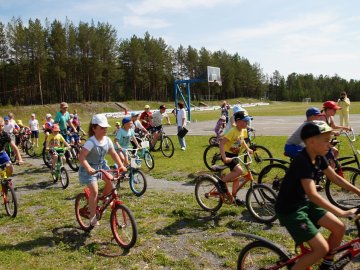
(331, 105)
(147, 107)
(162, 107)
(48, 115)
(33, 114)
(55, 127)
(19, 122)
(117, 123)
(314, 128)
(126, 120)
(100, 120)
(313, 111)
(241, 116)
(64, 105)
(133, 114)
(6, 118)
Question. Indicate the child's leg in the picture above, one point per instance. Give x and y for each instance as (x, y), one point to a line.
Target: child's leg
(54, 158)
(9, 170)
(93, 187)
(235, 172)
(238, 171)
(319, 248)
(108, 185)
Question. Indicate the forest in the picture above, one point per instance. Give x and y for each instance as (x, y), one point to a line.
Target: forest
(50, 62)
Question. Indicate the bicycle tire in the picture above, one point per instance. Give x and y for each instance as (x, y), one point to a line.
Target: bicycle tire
(47, 158)
(260, 201)
(10, 203)
(64, 178)
(29, 149)
(213, 140)
(272, 175)
(167, 146)
(212, 156)
(261, 157)
(12, 156)
(340, 197)
(149, 160)
(260, 255)
(137, 182)
(207, 193)
(123, 226)
(82, 212)
(73, 159)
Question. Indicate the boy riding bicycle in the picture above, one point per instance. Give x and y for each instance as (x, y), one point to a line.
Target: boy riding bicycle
(230, 146)
(301, 209)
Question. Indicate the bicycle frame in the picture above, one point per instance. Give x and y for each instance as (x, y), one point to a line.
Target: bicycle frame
(347, 160)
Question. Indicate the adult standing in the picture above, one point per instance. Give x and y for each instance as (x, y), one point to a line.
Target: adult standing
(34, 127)
(225, 107)
(181, 123)
(62, 118)
(344, 103)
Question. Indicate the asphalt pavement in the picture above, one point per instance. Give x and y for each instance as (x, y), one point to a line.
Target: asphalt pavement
(264, 125)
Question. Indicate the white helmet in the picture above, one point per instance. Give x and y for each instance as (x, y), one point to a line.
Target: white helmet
(238, 108)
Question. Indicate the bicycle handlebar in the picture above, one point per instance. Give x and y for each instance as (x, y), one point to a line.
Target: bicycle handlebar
(109, 175)
(349, 134)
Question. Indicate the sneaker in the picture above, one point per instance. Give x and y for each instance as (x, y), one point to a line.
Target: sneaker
(94, 221)
(239, 202)
(319, 188)
(223, 187)
(183, 148)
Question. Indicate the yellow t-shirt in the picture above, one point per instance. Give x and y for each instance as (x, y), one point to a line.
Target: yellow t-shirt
(235, 139)
(56, 141)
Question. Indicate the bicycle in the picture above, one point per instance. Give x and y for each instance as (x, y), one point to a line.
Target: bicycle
(266, 255)
(261, 154)
(71, 156)
(10, 152)
(273, 174)
(60, 172)
(260, 199)
(25, 143)
(347, 160)
(166, 145)
(145, 153)
(122, 221)
(8, 193)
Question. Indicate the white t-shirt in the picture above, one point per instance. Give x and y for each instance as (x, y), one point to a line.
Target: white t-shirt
(138, 126)
(34, 125)
(9, 128)
(181, 114)
(157, 118)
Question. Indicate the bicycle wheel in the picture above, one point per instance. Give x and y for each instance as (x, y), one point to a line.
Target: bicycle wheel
(167, 147)
(149, 160)
(47, 158)
(340, 197)
(261, 158)
(12, 156)
(137, 181)
(272, 175)
(82, 212)
(72, 158)
(212, 156)
(260, 255)
(207, 193)
(260, 201)
(64, 178)
(10, 200)
(213, 141)
(29, 149)
(123, 226)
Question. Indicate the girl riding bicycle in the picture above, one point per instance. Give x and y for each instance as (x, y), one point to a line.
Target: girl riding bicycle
(92, 158)
(301, 209)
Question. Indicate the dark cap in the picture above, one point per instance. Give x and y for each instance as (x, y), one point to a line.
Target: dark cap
(314, 128)
(162, 107)
(241, 116)
(313, 111)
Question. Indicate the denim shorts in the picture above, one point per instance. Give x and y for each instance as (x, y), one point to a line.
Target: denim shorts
(86, 179)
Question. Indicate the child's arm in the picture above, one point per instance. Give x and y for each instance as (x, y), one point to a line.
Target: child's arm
(248, 149)
(225, 159)
(133, 138)
(311, 192)
(82, 158)
(116, 142)
(340, 181)
(117, 159)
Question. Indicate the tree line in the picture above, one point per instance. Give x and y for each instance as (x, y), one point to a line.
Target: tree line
(55, 61)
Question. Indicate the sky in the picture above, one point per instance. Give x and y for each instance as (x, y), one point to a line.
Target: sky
(307, 36)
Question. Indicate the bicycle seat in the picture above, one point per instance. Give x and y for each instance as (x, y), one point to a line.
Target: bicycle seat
(219, 167)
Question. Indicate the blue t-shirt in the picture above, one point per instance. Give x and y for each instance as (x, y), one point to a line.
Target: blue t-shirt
(124, 137)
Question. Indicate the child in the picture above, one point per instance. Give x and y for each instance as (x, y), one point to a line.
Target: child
(92, 158)
(219, 127)
(123, 138)
(9, 128)
(34, 127)
(230, 146)
(301, 209)
(55, 141)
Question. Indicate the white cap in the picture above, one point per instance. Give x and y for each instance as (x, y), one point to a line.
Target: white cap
(101, 120)
(48, 115)
(33, 114)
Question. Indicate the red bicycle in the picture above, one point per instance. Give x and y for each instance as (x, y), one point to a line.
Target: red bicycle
(265, 255)
(122, 221)
(8, 193)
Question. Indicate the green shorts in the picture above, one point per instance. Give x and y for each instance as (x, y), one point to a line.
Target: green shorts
(302, 224)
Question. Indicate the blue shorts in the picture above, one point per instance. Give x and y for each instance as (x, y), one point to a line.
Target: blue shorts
(35, 134)
(4, 158)
(86, 179)
(291, 150)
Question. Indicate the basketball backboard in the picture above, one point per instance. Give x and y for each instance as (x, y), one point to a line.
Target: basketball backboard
(213, 74)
